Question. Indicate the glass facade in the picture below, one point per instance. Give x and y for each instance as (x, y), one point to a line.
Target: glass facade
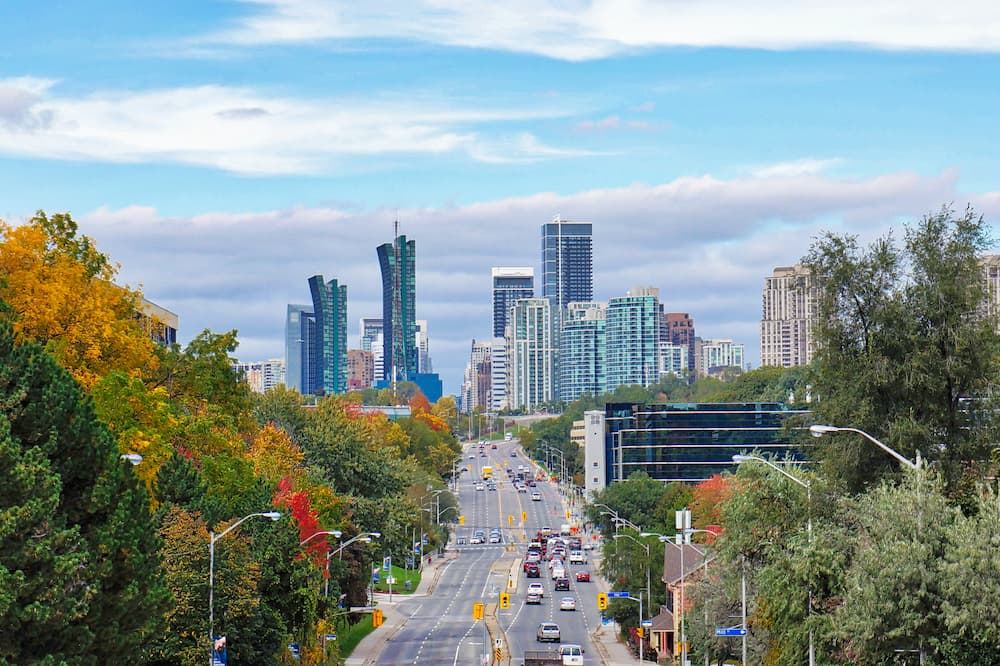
(301, 349)
(581, 351)
(530, 354)
(567, 263)
(509, 285)
(399, 309)
(330, 308)
(633, 338)
(691, 442)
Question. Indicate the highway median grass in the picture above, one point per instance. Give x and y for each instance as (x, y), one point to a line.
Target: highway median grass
(401, 576)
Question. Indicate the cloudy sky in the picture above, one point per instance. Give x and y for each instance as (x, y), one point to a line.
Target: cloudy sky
(223, 151)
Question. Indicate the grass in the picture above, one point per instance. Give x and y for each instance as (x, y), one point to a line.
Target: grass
(348, 640)
(401, 576)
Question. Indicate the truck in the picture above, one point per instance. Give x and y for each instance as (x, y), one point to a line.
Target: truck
(566, 655)
(487, 472)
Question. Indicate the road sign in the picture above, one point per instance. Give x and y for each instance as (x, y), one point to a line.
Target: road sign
(647, 623)
(478, 610)
(498, 653)
(510, 519)
(387, 563)
(618, 595)
(524, 516)
(730, 631)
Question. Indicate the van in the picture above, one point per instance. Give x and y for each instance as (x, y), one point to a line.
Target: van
(572, 655)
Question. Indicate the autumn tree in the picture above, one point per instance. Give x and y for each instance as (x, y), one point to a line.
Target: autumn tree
(61, 295)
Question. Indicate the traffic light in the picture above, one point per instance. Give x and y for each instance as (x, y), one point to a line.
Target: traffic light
(478, 610)
(461, 520)
(602, 601)
(639, 632)
(377, 618)
(504, 600)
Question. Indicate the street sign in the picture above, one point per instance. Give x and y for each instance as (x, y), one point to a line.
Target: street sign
(647, 623)
(618, 595)
(387, 563)
(730, 631)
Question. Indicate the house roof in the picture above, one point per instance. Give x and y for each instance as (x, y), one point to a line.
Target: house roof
(694, 558)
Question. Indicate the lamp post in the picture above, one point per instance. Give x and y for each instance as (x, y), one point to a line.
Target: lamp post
(648, 589)
(133, 458)
(818, 430)
(640, 623)
(212, 538)
(364, 537)
(807, 484)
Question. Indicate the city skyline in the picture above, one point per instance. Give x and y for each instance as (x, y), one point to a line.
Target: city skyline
(223, 153)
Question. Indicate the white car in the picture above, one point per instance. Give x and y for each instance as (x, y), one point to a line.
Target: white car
(577, 557)
(480, 486)
(536, 588)
(536, 496)
(567, 604)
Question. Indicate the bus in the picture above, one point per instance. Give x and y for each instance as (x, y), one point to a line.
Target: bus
(487, 472)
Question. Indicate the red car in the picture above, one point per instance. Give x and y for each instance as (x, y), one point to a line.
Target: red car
(583, 576)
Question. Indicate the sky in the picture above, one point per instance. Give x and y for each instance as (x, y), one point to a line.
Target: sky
(224, 151)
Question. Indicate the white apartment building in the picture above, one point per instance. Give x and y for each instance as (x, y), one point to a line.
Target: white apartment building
(721, 353)
(530, 354)
(789, 308)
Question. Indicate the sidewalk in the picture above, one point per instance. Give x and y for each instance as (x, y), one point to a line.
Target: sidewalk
(369, 649)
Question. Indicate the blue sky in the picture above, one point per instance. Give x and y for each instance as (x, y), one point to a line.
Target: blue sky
(225, 151)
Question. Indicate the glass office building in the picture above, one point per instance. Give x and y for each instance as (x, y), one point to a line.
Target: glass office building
(582, 350)
(567, 263)
(399, 309)
(688, 442)
(330, 308)
(633, 339)
(510, 284)
(301, 349)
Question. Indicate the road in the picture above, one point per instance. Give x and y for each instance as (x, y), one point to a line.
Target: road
(440, 628)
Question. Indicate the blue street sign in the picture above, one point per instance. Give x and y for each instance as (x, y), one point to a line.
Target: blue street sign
(730, 631)
(618, 595)
(387, 563)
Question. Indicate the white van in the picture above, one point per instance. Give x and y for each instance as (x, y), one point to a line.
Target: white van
(572, 655)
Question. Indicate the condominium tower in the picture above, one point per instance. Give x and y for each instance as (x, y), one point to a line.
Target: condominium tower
(582, 350)
(399, 322)
(567, 263)
(530, 354)
(786, 327)
(633, 337)
(330, 310)
(509, 285)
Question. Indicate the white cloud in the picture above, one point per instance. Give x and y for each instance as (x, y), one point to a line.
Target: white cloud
(801, 167)
(247, 131)
(707, 243)
(589, 29)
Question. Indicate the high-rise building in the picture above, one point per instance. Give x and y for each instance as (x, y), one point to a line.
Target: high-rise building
(262, 376)
(633, 337)
(301, 349)
(397, 261)
(159, 323)
(498, 375)
(530, 354)
(673, 360)
(991, 276)
(567, 263)
(371, 328)
(509, 285)
(360, 369)
(478, 378)
(679, 330)
(582, 349)
(719, 355)
(330, 308)
(423, 348)
(789, 310)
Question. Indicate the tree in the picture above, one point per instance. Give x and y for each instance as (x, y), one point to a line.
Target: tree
(61, 295)
(905, 348)
(78, 549)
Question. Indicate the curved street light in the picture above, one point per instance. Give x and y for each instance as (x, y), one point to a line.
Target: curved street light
(364, 537)
(335, 533)
(133, 458)
(818, 430)
(212, 538)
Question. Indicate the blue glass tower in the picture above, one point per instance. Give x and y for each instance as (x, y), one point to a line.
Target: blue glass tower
(330, 307)
(399, 309)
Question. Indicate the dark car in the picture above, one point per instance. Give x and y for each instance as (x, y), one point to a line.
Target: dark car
(562, 584)
(531, 570)
(583, 576)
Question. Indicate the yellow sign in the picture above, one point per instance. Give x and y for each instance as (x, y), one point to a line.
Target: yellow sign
(498, 653)
(639, 632)
(377, 618)
(461, 520)
(524, 516)
(478, 610)
(567, 514)
(602, 601)
(504, 600)
(510, 520)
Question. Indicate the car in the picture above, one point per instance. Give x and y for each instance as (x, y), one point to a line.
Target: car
(480, 486)
(533, 598)
(558, 572)
(572, 655)
(536, 496)
(495, 538)
(531, 570)
(583, 576)
(567, 604)
(493, 446)
(522, 488)
(562, 584)
(461, 541)
(588, 546)
(577, 557)
(472, 456)
(482, 455)
(548, 631)
(513, 454)
(476, 539)
(537, 589)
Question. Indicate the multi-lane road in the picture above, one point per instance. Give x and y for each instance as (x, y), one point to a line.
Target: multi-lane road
(440, 628)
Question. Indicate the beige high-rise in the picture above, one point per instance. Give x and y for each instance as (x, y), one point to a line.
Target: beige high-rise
(786, 325)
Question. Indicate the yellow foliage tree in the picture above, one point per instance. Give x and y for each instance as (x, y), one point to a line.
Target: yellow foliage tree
(61, 294)
(273, 454)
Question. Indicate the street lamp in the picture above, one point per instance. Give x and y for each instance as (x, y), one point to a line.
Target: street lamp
(364, 537)
(818, 430)
(739, 459)
(133, 458)
(312, 536)
(212, 538)
(640, 623)
(648, 589)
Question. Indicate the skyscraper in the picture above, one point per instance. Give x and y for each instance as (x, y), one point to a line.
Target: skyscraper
(679, 331)
(301, 349)
(530, 354)
(330, 308)
(567, 263)
(509, 284)
(582, 349)
(371, 328)
(789, 303)
(633, 337)
(399, 307)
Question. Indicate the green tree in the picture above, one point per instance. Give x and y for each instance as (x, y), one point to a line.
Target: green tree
(903, 341)
(78, 549)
